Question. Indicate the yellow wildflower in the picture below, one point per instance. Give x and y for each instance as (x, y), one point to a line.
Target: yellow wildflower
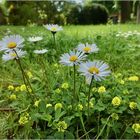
(10, 87)
(62, 126)
(133, 105)
(58, 105)
(23, 120)
(136, 127)
(23, 87)
(80, 106)
(48, 105)
(13, 97)
(29, 74)
(133, 78)
(17, 89)
(65, 86)
(57, 90)
(37, 103)
(101, 89)
(116, 101)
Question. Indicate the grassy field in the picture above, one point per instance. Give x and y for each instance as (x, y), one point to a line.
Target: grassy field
(49, 109)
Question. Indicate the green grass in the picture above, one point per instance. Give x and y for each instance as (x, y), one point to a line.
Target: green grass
(121, 54)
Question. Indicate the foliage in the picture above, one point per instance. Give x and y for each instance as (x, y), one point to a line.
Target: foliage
(93, 14)
(50, 114)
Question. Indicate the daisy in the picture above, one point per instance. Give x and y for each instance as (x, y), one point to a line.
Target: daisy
(35, 39)
(11, 42)
(96, 69)
(53, 27)
(72, 58)
(40, 51)
(12, 55)
(87, 48)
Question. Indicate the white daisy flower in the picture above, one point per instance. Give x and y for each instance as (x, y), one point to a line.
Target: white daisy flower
(96, 69)
(11, 42)
(12, 55)
(35, 39)
(40, 51)
(72, 58)
(87, 48)
(53, 27)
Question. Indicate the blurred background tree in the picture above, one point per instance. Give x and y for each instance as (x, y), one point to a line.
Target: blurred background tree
(68, 12)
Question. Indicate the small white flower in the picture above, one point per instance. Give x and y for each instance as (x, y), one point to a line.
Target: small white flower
(72, 58)
(12, 55)
(35, 39)
(96, 69)
(87, 48)
(40, 51)
(11, 42)
(53, 27)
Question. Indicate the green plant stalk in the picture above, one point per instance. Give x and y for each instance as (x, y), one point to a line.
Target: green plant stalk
(90, 86)
(45, 73)
(86, 134)
(103, 128)
(74, 84)
(54, 38)
(25, 77)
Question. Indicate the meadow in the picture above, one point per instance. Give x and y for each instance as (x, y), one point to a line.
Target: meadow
(40, 97)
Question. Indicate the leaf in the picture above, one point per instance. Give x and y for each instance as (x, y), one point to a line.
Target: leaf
(69, 135)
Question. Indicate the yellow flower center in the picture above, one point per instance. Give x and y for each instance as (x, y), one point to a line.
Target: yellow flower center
(12, 45)
(73, 58)
(93, 70)
(87, 49)
(53, 29)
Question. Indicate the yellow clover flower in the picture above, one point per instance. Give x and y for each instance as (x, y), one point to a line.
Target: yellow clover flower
(57, 90)
(133, 105)
(29, 74)
(10, 87)
(17, 89)
(65, 86)
(23, 120)
(13, 97)
(37, 103)
(101, 89)
(80, 106)
(62, 126)
(58, 105)
(23, 87)
(116, 101)
(133, 78)
(136, 127)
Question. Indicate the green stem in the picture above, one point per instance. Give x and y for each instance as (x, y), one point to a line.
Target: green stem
(54, 39)
(25, 77)
(90, 86)
(74, 83)
(103, 128)
(45, 74)
(86, 134)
